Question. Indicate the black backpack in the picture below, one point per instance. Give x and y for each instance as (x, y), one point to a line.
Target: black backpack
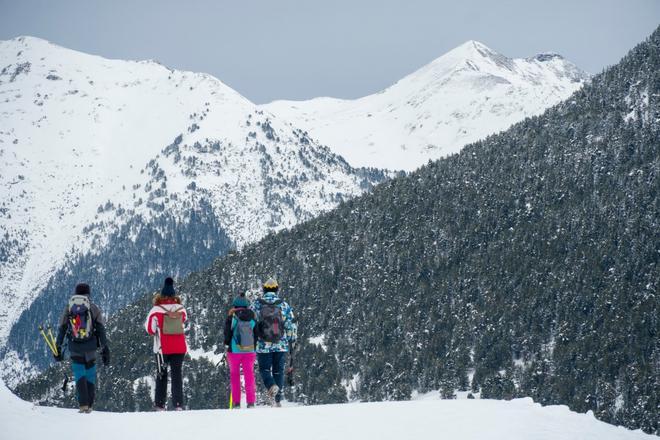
(271, 321)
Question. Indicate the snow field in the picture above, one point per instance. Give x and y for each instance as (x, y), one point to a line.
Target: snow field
(420, 419)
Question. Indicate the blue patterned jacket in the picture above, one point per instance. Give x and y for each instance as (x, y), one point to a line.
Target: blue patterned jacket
(290, 326)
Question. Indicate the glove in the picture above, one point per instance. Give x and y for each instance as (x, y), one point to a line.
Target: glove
(105, 355)
(59, 357)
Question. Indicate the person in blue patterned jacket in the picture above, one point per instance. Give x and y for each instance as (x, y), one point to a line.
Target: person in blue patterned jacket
(276, 331)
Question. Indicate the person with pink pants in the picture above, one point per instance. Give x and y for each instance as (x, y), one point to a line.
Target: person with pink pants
(240, 340)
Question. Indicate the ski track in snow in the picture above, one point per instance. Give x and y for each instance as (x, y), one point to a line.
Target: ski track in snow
(422, 419)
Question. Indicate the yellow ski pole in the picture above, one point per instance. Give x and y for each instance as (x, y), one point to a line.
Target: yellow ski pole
(41, 330)
(51, 344)
(52, 349)
(52, 340)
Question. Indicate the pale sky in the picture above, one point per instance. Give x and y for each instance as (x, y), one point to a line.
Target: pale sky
(286, 49)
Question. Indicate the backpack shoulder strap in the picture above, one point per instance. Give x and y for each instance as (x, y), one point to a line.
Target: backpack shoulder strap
(171, 313)
(168, 310)
(234, 328)
(277, 302)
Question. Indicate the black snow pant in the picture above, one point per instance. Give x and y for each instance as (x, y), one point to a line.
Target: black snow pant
(175, 361)
(84, 373)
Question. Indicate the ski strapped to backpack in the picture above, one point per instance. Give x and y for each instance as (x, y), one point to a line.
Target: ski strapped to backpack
(271, 321)
(81, 322)
(172, 321)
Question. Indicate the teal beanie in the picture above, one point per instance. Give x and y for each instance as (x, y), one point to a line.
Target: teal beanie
(240, 301)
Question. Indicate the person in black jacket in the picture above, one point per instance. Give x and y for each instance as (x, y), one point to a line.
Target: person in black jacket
(83, 325)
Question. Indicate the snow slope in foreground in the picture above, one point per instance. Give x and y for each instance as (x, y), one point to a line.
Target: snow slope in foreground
(446, 419)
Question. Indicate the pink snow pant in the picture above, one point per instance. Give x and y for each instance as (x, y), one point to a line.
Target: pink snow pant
(246, 361)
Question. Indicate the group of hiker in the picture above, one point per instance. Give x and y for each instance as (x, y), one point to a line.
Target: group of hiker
(263, 330)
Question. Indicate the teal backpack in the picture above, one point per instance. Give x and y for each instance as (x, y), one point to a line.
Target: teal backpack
(243, 334)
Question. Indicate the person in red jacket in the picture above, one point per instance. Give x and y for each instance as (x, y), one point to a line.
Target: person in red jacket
(165, 323)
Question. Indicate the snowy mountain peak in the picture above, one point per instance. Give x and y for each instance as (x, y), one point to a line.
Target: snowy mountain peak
(57, 63)
(26, 41)
(464, 95)
(89, 145)
(547, 56)
(471, 49)
(471, 55)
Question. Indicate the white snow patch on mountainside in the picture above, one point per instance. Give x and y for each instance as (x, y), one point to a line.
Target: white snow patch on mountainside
(82, 141)
(425, 419)
(463, 96)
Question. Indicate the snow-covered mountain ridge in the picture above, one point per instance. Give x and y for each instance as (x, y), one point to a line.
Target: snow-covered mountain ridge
(89, 144)
(96, 154)
(463, 96)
